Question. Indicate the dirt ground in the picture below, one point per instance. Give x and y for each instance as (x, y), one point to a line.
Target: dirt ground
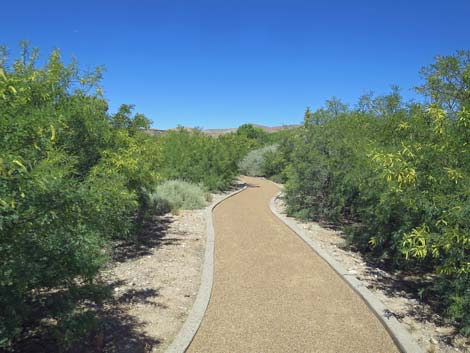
(395, 290)
(154, 285)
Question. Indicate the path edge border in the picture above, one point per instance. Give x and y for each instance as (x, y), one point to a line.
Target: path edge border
(190, 327)
(400, 336)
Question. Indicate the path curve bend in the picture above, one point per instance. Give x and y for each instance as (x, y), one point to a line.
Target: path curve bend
(272, 293)
(193, 321)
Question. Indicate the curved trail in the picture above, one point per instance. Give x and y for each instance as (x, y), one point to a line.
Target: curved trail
(272, 293)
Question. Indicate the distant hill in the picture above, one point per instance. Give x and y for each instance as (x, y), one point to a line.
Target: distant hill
(217, 132)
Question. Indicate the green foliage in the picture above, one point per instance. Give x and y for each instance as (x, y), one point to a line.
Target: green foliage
(123, 119)
(276, 162)
(252, 164)
(74, 177)
(177, 195)
(397, 175)
(71, 179)
(253, 136)
(447, 81)
(200, 159)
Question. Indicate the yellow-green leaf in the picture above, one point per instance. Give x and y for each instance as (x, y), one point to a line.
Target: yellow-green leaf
(2, 74)
(18, 163)
(52, 133)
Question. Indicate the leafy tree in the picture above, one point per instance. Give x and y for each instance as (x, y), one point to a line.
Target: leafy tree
(447, 81)
(335, 107)
(123, 119)
(70, 181)
(396, 176)
(385, 105)
(254, 136)
(197, 158)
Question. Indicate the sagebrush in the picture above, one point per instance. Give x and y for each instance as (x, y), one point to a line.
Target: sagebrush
(252, 164)
(177, 195)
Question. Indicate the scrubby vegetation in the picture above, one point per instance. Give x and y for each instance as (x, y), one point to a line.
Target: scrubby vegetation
(396, 176)
(177, 195)
(74, 178)
(253, 163)
(200, 159)
(71, 176)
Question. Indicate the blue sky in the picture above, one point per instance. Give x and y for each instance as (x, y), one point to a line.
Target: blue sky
(223, 63)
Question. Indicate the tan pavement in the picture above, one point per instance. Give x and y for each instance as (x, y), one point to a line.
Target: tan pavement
(272, 293)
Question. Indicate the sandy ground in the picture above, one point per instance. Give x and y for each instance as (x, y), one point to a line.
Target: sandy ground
(154, 285)
(394, 290)
(272, 293)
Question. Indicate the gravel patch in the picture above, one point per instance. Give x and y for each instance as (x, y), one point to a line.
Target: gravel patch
(154, 285)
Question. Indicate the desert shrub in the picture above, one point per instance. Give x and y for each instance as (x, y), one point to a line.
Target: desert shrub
(252, 163)
(253, 136)
(200, 159)
(134, 160)
(158, 204)
(177, 194)
(276, 162)
(214, 162)
(398, 175)
(70, 181)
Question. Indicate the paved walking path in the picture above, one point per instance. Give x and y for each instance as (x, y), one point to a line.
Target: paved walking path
(272, 293)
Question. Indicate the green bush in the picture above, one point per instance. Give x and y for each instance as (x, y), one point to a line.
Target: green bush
(200, 159)
(252, 164)
(253, 137)
(70, 181)
(276, 162)
(176, 195)
(398, 175)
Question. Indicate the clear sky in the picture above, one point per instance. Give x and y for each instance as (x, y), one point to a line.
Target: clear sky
(223, 63)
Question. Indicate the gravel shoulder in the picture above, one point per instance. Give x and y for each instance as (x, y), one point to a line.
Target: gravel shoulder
(154, 285)
(394, 290)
